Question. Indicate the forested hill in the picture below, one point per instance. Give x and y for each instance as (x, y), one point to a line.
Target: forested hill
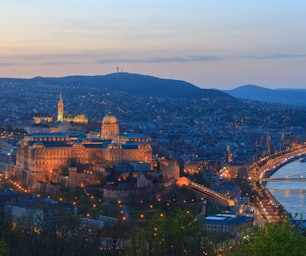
(258, 93)
(133, 84)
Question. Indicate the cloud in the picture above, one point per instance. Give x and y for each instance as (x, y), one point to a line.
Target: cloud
(95, 57)
(55, 62)
(44, 59)
(62, 63)
(276, 56)
(7, 64)
(199, 58)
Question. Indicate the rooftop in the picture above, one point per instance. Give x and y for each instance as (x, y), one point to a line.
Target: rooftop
(228, 219)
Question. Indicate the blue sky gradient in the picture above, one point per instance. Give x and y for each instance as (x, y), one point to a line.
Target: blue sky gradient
(212, 44)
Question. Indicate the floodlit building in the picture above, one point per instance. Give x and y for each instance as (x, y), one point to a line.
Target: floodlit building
(42, 157)
(61, 117)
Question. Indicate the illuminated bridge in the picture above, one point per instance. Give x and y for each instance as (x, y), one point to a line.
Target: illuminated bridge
(210, 194)
(301, 176)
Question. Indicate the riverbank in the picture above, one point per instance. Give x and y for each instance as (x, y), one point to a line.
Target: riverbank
(270, 207)
(280, 208)
(290, 194)
(269, 173)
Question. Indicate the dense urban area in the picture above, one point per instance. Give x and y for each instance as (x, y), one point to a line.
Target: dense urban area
(200, 192)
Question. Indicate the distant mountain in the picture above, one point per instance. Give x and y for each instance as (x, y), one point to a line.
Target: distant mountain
(283, 96)
(134, 84)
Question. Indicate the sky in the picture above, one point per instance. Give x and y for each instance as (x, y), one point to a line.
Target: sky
(218, 44)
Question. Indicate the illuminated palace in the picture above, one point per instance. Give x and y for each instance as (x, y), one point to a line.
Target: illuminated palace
(42, 157)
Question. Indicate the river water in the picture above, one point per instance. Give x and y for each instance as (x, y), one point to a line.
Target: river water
(291, 195)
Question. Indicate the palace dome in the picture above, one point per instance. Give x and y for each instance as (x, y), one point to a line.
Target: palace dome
(109, 119)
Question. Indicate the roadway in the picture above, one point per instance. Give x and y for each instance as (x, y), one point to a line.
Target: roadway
(267, 206)
(210, 194)
(260, 171)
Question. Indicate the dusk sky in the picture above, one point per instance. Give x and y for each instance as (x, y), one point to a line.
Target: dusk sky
(213, 44)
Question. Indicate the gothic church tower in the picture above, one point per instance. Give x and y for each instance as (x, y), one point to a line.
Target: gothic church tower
(60, 109)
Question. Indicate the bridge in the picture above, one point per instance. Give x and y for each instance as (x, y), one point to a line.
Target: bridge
(210, 194)
(300, 176)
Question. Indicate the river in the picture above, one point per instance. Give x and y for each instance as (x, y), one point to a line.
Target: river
(291, 195)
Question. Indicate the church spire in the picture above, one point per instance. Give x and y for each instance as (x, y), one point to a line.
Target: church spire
(60, 109)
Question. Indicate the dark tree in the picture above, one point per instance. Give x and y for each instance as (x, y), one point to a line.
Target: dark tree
(173, 234)
(275, 239)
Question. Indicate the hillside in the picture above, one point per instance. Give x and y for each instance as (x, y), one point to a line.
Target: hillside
(283, 96)
(133, 84)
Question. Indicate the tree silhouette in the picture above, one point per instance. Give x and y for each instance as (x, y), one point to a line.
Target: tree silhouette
(173, 234)
(275, 239)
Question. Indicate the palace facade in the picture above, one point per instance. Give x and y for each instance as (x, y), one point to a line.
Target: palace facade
(42, 157)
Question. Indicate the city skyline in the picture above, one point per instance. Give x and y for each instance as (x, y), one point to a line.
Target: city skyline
(211, 44)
